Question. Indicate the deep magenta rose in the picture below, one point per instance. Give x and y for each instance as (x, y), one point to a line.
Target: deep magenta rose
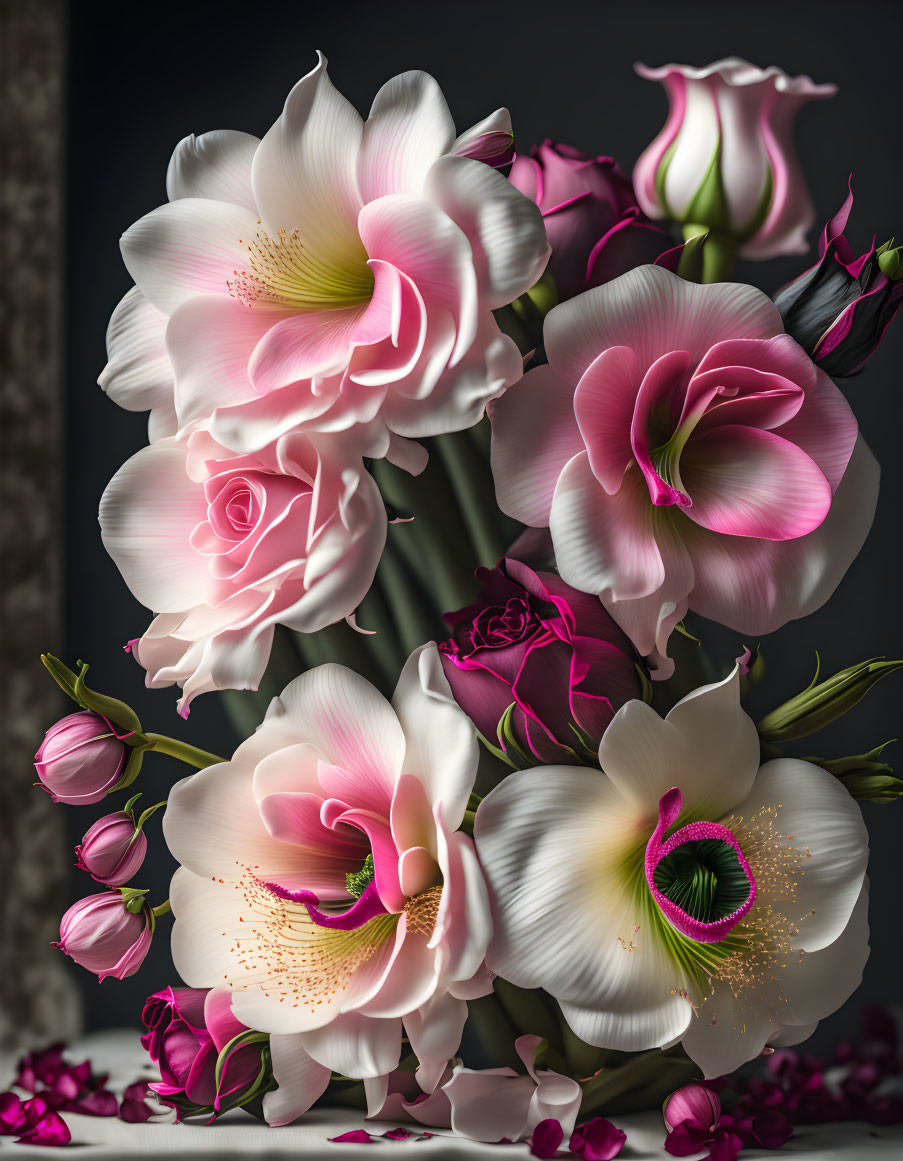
(187, 1029)
(593, 223)
(553, 652)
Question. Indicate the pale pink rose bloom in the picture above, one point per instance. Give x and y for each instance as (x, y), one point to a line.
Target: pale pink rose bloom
(685, 454)
(224, 547)
(739, 118)
(339, 273)
(487, 1104)
(325, 882)
(104, 937)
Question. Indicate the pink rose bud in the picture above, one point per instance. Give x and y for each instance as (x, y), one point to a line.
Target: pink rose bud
(725, 160)
(113, 849)
(102, 935)
(694, 1103)
(80, 759)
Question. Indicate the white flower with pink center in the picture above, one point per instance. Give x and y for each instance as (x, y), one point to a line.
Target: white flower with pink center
(338, 273)
(223, 548)
(685, 453)
(686, 893)
(325, 882)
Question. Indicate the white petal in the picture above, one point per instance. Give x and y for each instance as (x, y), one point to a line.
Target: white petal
(489, 1105)
(147, 514)
(504, 228)
(707, 746)
(203, 911)
(549, 841)
(534, 434)
(434, 1031)
(730, 1030)
(216, 165)
(138, 375)
(304, 170)
(356, 1045)
(441, 747)
(300, 1079)
(464, 924)
(695, 146)
(191, 246)
(817, 814)
(409, 127)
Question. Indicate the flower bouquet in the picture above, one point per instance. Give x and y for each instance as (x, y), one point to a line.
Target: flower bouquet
(455, 456)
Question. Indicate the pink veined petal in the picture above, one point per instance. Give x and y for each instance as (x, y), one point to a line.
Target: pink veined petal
(747, 482)
(394, 329)
(216, 165)
(191, 246)
(421, 241)
(824, 427)
(210, 339)
(303, 174)
(755, 586)
(409, 127)
(654, 312)
(407, 981)
(385, 854)
(219, 1019)
(604, 405)
(661, 385)
(534, 434)
(504, 228)
(304, 345)
(605, 544)
(296, 819)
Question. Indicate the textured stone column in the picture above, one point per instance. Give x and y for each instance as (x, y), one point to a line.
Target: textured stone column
(37, 1000)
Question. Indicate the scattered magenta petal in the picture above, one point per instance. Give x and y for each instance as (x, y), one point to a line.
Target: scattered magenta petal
(50, 1129)
(771, 1129)
(135, 1112)
(597, 1140)
(547, 1138)
(12, 1115)
(353, 1137)
(398, 1134)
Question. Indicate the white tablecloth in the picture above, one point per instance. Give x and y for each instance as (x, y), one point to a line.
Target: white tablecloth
(239, 1137)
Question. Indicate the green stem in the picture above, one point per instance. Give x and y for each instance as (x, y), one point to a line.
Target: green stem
(181, 750)
(719, 254)
(471, 480)
(638, 1082)
(163, 909)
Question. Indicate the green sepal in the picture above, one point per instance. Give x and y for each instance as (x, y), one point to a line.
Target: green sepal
(708, 207)
(135, 901)
(823, 702)
(865, 777)
(110, 708)
(496, 751)
(131, 771)
(151, 810)
(242, 1040)
(690, 266)
(509, 743)
(890, 261)
(127, 809)
(685, 632)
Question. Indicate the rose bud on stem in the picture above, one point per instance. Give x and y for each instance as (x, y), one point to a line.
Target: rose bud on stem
(110, 934)
(113, 849)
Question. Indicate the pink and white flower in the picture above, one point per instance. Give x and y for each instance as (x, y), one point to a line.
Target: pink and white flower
(325, 882)
(224, 547)
(685, 454)
(336, 274)
(725, 159)
(745, 927)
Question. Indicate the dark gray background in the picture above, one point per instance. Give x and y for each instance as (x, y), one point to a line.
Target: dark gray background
(142, 75)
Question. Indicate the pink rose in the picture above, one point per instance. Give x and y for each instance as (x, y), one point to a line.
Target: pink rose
(224, 547)
(80, 758)
(725, 159)
(685, 454)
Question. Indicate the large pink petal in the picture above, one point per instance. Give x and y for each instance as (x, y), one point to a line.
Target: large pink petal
(504, 228)
(296, 819)
(394, 329)
(755, 586)
(210, 339)
(409, 127)
(303, 174)
(654, 312)
(304, 345)
(604, 405)
(216, 165)
(420, 240)
(147, 514)
(534, 434)
(656, 398)
(605, 544)
(191, 246)
(825, 427)
(746, 482)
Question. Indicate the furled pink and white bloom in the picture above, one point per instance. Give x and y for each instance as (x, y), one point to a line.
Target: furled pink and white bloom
(325, 882)
(725, 160)
(743, 927)
(224, 547)
(685, 453)
(339, 273)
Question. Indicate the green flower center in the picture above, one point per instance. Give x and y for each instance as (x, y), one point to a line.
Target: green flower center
(703, 878)
(357, 882)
